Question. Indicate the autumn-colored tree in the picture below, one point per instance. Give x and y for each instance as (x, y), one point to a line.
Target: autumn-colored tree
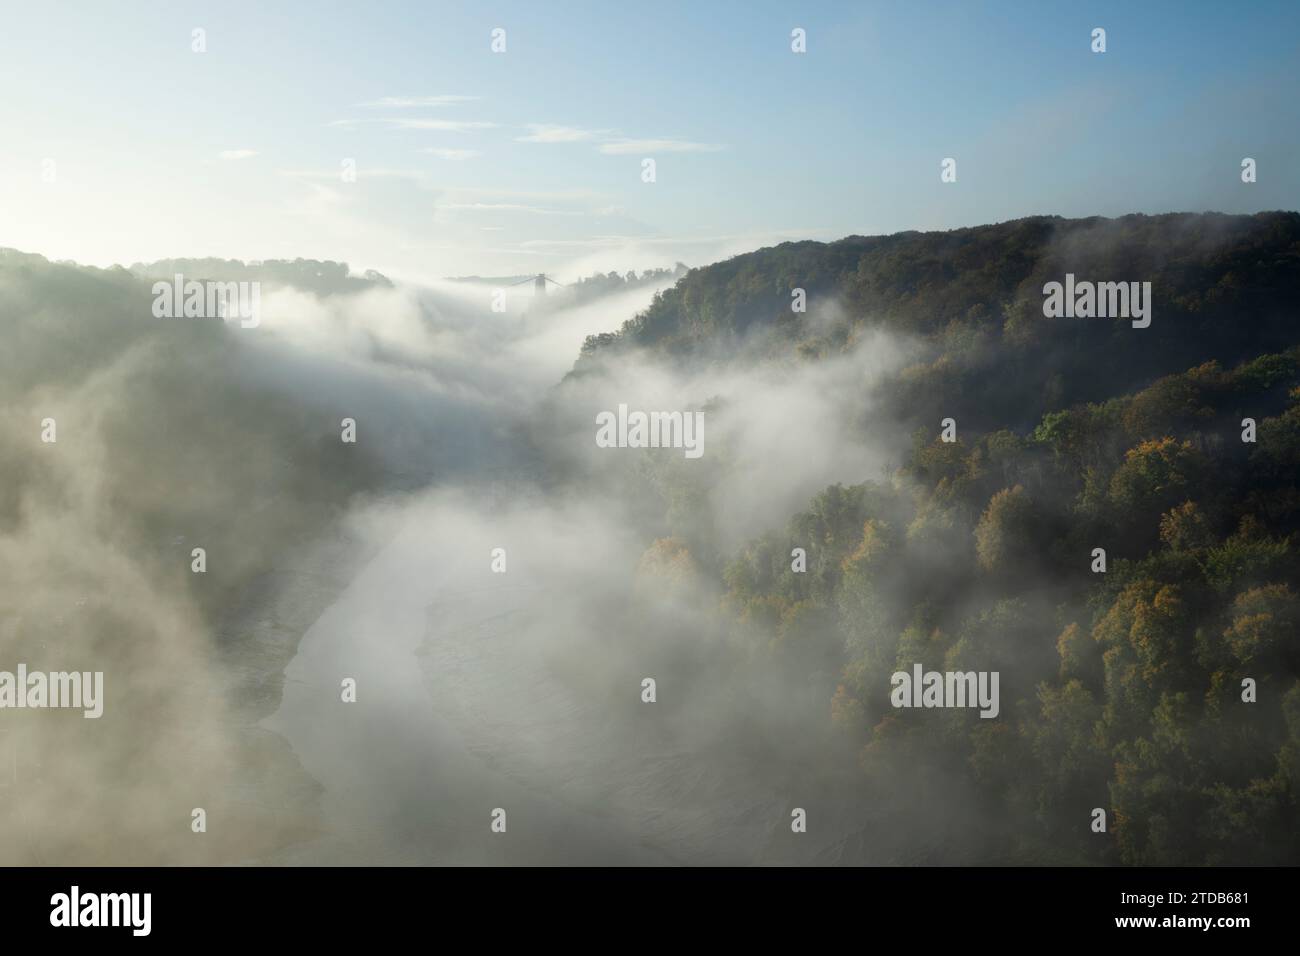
(1080, 656)
(1184, 528)
(847, 712)
(1004, 535)
(1264, 624)
(1155, 475)
(667, 561)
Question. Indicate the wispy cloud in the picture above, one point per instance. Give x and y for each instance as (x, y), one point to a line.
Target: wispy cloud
(398, 122)
(362, 172)
(491, 194)
(551, 133)
(237, 153)
(611, 142)
(452, 154)
(623, 147)
(508, 207)
(445, 126)
(413, 102)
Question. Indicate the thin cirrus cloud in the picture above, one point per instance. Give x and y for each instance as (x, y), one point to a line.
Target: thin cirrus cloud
(623, 147)
(414, 102)
(446, 126)
(364, 172)
(397, 122)
(237, 153)
(492, 194)
(552, 133)
(611, 143)
(449, 154)
(508, 207)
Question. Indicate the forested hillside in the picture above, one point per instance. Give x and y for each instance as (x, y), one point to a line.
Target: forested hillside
(1225, 288)
(1162, 688)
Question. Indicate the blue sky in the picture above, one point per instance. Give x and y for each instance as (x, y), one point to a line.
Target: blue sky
(528, 160)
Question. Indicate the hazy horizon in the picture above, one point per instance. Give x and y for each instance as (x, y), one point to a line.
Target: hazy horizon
(469, 161)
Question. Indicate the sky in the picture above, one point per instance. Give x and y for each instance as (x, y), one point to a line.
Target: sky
(120, 143)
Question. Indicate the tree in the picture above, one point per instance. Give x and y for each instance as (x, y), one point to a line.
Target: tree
(1184, 528)
(1004, 535)
(1264, 623)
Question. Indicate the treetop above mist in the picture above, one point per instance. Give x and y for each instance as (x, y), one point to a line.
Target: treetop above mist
(985, 279)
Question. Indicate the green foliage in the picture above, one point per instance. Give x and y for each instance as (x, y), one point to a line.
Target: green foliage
(1004, 535)
(1121, 690)
(1137, 704)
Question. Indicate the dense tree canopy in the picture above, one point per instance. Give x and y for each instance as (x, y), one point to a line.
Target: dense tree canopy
(1163, 689)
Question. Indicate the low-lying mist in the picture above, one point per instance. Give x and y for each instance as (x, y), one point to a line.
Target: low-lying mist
(374, 560)
(375, 579)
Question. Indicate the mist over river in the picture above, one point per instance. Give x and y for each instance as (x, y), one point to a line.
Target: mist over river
(519, 691)
(459, 710)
